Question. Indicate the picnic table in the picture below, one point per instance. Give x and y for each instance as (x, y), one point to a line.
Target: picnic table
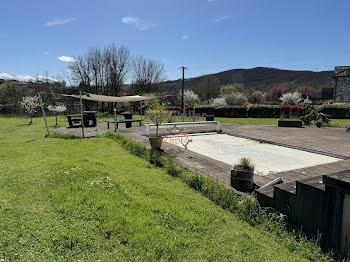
(74, 120)
(126, 121)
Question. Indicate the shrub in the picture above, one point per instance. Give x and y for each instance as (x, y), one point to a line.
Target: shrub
(255, 98)
(235, 99)
(291, 99)
(275, 93)
(336, 111)
(285, 111)
(296, 111)
(264, 111)
(218, 102)
(191, 98)
(314, 116)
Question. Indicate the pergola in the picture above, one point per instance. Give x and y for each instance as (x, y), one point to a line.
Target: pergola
(108, 99)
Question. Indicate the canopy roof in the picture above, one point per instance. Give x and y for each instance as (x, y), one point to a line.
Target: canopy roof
(113, 99)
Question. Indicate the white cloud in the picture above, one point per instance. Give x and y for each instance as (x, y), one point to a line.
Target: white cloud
(66, 58)
(60, 21)
(222, 18)
(46, 53)
(26, 78)
(130, 20)
(44, 78)
(139, 24)
(184, 37)
(5, 76)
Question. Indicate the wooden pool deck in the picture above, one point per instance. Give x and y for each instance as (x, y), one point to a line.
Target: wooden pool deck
(333, 142)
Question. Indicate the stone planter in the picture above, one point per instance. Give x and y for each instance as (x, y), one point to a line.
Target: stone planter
(242, 178)
(156, 142)
(290, 123)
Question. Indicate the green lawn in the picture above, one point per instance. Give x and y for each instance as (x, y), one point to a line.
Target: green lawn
(58, 197)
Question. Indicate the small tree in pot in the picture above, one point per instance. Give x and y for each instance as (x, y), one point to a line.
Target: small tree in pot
(242, 175)
(158, 115)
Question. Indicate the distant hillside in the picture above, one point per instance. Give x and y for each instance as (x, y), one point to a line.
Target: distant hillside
(261, 78)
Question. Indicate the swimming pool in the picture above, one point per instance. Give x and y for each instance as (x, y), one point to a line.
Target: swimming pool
(267, 158)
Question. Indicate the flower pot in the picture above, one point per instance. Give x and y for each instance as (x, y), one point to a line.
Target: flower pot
(242, 178)
(156, 141)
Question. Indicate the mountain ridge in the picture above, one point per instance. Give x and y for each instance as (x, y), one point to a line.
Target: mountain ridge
(260, 78)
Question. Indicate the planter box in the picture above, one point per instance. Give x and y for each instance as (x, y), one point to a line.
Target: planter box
(290, 123)
(242, 179)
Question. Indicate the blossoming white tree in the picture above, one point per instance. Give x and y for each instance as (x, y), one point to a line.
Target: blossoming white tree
(57, 109)
(29, 104)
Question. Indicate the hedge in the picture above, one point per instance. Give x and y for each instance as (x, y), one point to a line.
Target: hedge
(264, 111)
(226, 111)
(336, 111)
(268, 111)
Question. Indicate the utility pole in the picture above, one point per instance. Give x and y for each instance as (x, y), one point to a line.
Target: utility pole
(183, 85)
(183, 68)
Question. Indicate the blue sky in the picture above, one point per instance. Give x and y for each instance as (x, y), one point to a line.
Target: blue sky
(207, 36)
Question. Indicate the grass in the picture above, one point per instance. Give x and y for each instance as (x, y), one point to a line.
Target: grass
(58, 198)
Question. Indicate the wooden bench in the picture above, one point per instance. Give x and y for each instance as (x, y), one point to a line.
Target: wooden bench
(120, 121)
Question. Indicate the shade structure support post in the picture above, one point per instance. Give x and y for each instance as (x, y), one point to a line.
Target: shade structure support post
(115, 119)
(82, 115)
(141, 108)
(44, 115)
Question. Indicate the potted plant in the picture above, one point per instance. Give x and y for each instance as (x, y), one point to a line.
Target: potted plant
(314, 116)
(157, 116)
(242, 175)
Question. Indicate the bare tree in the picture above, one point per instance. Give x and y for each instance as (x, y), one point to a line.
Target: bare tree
(116, 66)
(81, 73)
(147, 74)
(95, 62)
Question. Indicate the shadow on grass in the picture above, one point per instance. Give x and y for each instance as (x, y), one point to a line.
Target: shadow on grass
(64, 136)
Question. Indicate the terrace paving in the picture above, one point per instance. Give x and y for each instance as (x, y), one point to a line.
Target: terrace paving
(327, 141)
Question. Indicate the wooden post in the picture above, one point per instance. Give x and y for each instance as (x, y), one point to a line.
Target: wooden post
(43, 110)
(141, 108)
(115, 119)
(82, 115)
